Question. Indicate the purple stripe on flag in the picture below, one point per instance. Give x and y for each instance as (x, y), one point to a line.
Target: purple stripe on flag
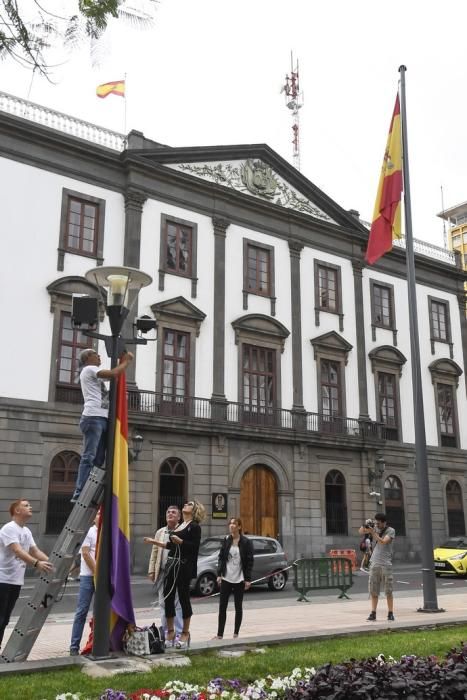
(122, 602)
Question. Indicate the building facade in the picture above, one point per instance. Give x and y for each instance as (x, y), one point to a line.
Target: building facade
(281, 373)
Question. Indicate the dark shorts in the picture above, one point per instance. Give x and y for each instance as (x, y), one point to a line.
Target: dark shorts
(381, 578)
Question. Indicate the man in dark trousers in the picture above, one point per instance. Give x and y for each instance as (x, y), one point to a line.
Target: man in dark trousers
(17, 550)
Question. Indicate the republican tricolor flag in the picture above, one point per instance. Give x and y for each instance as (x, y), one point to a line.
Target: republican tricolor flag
(122, 604)
(386, 224)
(115, 88)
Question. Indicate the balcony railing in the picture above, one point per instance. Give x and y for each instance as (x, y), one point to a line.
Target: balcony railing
(197, 409)
(61, 122)
(152, 404)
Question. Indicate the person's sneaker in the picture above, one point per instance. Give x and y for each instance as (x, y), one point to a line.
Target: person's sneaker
(391, 617)
(74, 652)
(372, 616)
(365, 569)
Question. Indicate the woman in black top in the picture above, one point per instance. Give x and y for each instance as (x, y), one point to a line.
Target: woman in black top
(233, 574)
(181, 567)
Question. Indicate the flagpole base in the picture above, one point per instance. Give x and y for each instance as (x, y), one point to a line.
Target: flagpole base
(431, 610)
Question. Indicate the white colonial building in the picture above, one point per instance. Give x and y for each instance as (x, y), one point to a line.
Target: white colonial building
(281, 374)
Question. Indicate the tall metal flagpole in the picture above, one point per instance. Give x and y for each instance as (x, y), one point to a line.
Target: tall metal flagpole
(430, 603)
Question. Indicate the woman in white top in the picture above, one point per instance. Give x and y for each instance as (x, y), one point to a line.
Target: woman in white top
(233, 574)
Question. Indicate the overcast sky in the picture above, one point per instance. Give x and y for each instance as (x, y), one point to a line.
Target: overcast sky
(210, 72)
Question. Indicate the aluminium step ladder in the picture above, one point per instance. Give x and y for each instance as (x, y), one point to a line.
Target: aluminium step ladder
(66, 547)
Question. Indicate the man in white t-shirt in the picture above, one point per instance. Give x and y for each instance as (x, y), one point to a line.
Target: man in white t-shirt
(86, 586)
(17, 549)
(93, 423)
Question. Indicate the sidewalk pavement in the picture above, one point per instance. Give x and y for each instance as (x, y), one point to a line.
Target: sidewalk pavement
(270, 621)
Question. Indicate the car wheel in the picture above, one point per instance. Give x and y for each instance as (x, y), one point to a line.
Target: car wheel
(277, 581)
(206, 585)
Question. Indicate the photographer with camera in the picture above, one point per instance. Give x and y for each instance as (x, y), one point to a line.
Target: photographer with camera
(380, 562)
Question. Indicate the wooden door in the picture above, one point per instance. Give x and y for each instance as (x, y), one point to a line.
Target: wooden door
(258, 502)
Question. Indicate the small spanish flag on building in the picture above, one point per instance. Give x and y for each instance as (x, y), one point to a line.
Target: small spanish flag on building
(386, 224)
(115, 88)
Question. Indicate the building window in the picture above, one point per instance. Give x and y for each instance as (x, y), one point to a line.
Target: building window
(71, 342)
(331, 353)
(386, 365)
(178, 326)
(178, 250)
(172, 486)
(62, 479)
(455, 508)
(176, 371)
(330, 383)
(394, 504)
(67, 342)
(258, 272)
(259, 383)
(388, 404)
(445, 375)
(336, 503)
(446, 418)
(261, 340)
(382, 308)
(440, 325)
(328, 291)
(81, 226)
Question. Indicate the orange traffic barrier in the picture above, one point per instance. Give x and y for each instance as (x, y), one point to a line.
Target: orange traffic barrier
(348, 553)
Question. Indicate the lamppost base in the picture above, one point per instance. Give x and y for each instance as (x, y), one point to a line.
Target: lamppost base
(431, 610)
(106, 657)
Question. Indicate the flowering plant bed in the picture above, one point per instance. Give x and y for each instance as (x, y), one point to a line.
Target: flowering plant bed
(378, 678)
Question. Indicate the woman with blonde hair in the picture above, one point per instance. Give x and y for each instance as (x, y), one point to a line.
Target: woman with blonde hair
(183, 546)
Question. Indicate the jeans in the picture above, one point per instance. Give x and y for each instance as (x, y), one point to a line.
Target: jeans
(9, 593)
(94, 429)
(86, 592)
(178, 611)
(226, 589)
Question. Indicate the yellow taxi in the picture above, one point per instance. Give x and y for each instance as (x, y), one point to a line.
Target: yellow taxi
(451, 557)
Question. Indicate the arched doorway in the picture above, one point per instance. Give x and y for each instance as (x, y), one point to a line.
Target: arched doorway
(258, 502)
(456, 520)
(336, 503)
(172, 486)
(394, 504)
(62, 480)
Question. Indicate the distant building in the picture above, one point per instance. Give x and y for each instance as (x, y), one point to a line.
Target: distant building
(281, 375)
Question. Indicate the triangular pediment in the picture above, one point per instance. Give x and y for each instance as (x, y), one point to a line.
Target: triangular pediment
(178, 307)
(256, 178)
(331, 341)
(254, 171)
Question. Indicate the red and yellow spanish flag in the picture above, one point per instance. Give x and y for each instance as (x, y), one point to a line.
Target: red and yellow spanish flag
(386, 224)
(115, 88)
(120, 584)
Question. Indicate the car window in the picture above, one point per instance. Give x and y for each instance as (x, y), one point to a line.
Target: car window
(261, 546)
(454, 543)
(209, 547)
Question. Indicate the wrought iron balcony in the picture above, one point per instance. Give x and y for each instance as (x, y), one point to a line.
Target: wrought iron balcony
(232, 413)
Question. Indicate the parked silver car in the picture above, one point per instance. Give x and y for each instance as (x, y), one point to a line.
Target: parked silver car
(269, 559)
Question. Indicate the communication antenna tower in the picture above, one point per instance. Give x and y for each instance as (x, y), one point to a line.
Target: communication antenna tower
(294, 102)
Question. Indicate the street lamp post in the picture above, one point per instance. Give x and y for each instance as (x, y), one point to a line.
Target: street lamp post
(117, 281)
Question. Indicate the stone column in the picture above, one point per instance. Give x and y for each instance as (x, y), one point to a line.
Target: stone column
(357, 266)
(134, 202)
(295, 249)
(220, 226)
(462, 300)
